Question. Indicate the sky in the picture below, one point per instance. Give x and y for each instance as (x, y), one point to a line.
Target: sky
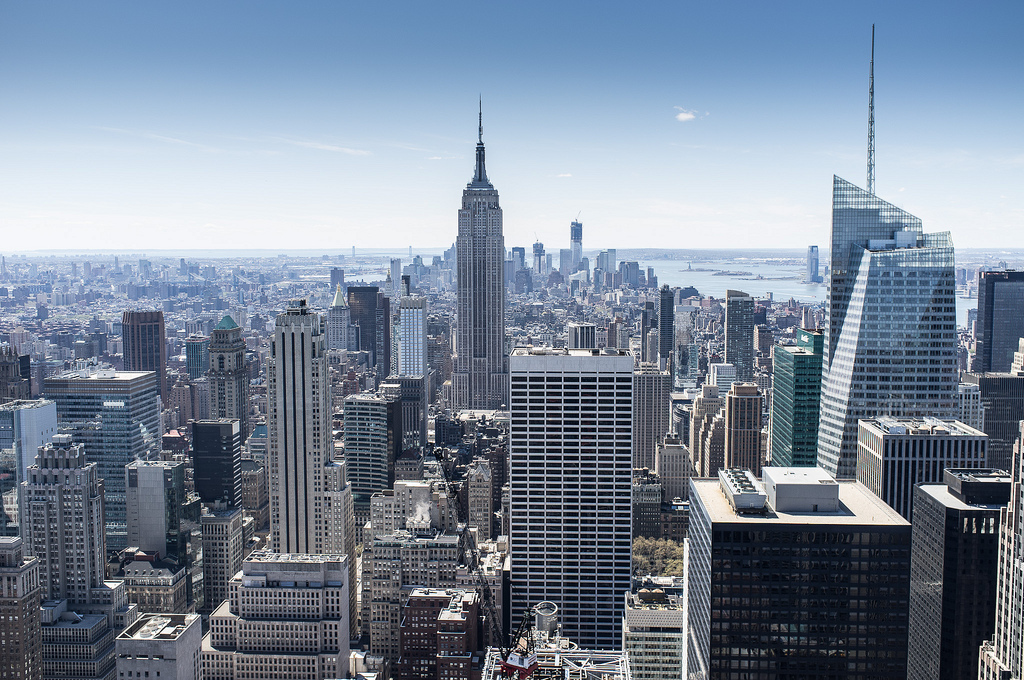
(163, 125)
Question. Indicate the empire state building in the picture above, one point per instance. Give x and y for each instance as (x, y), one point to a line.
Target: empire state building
(480, 378)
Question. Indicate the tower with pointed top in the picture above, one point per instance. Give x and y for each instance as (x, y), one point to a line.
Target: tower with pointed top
(480, 378)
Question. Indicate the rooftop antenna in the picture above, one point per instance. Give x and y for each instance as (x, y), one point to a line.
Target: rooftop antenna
(871, 117)
(480, 136)
(578, 215)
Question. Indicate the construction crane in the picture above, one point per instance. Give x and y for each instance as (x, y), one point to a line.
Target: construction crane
(519, 659)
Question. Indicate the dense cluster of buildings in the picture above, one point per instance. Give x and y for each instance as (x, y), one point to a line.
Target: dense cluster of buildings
(259, 469)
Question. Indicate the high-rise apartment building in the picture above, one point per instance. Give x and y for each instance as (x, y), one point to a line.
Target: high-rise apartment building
(155, 494)
(480, 377)
(62, 524)
(223, 547)
(372, 432)
(572, 419)
(145, 345)
(674, 467)
(796, 401)
(800, 576)
(722, 376)
(340, 528)
(197, 356)
(743, 427)
(651, 388)
(893, 455)
(229, 376)
(20, 596)
(300, 444)
(1000, 324)
(341, 334)
(115, 416)
(970, 410)
(286, 617)
(890, 338)
(412, 341)
(217, 462)
(739, 334)
(706, 406)
(954, 564)
(392, 564)
(439, 635)
(654, 631)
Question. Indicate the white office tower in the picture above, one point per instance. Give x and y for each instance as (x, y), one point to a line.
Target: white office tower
(480, 377)
(651, 414)
(299, 420)
(412, 335)
(890, 338)
(287, 617)
(570, 477)
(341, 334)
(1002, 658)
(582, 336)
(164, 646)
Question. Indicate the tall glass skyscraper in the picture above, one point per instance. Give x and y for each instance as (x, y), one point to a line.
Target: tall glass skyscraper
(480, 379)
(796, 401)
(890, 337)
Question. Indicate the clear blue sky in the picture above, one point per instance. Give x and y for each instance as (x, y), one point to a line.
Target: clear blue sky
(333, 124)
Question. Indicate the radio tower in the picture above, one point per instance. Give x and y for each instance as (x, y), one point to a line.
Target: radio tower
(871, 117)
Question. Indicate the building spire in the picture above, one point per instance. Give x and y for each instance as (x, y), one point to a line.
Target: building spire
(480, 176)
(871, 117)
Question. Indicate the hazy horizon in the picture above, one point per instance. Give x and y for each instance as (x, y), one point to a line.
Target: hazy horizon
(140, 127)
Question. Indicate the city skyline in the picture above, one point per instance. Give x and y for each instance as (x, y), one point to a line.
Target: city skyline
(129, 127)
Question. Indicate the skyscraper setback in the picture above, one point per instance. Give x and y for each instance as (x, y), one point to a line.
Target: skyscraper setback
(480, 378)
(890, 337)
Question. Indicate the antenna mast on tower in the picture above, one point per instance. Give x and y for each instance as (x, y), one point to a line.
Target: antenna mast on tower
(871, 117)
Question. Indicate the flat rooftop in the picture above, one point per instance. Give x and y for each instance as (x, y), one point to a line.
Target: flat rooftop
(158, 627)
(569, 352)
(916, 427)
(857, 506)
(942, 494)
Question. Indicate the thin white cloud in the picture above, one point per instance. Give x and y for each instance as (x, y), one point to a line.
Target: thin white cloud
(564, 174)
(160, 138)
(685, 115)
(321, 146)
(442, 158)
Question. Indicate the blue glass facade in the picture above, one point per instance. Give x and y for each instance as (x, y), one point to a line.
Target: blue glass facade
(890, 340)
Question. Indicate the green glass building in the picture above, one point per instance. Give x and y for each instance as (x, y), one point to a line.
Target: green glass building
(796, 398)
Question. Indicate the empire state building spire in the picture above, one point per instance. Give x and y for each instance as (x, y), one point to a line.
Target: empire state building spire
(480, 176)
